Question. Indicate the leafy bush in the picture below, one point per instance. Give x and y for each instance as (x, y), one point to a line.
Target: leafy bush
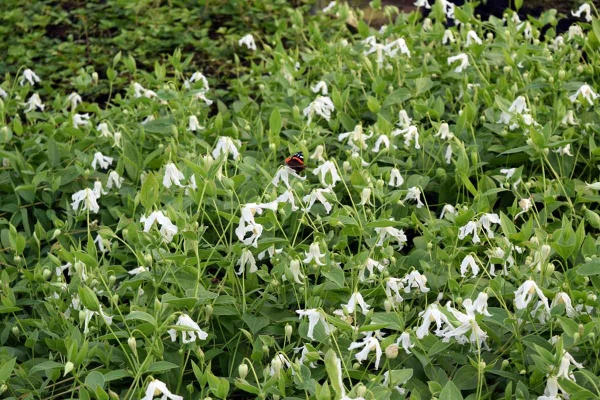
(442, 241)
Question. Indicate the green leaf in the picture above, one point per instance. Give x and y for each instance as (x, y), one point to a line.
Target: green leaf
(255, 323)
(333, 367)
(591, 267)
(88, 298)
(7, 369)
(161, 366)
(162, 125)
(218, 386)
(450, 392)
(149, 193)
(141, 315)
(94, 380)
(373, 104)
(275, 122)
(566, 243)
(45, 366)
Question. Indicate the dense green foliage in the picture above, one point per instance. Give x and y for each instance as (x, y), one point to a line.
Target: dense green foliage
(452, 180)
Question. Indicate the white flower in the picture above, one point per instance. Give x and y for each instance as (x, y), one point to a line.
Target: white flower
(444, 132)
(564, 151)
(248, 225)
(448, 37)
(197, 77)
(565, 362)
(410, 134)
(246, 259)
(329, 6)
(193, 124)
(414, 193)
(88, 314)
(114, 179)
(472, 38)
(479, 305)
(381, 140)
(138, 270)
(467, 262)
(508, 172)
(269, 250)
(98, 191)
(356, 299)
(525, 205)
(569, 118)
(394, 285)
(288, 197)
(314, 317)
(433, 314)
(551, 390)
(157, 387)
(34, 102)
(464, 62)
(524, 294)
(3, 93)
(167, 229)
(575, 30)
(422, 3)
(81, 120)
(395, 178)
(89, 200)
(467, 323)
(586, 93)
(317, 194)
(318, 153)
(29, 76)
(248, 41)
(356, 138)
(139, 91)
(384, 233)
(324, 169)
(322, 105)
(415, 280)
(283, 175)
(191, 330)
(74, 98)
(369, 343)
(202, 96)
(470, 228)
(100, 243)
(102, 160)
(226, 145)
(585, 9)
(103, 129)
(314, 253)
(404, 121)
(593, 186)
(365, 197)
(486, 220)
(321, 86)
(448, 209)
(391, 49)
(296, 272)
(370, 266)
(405, 341)
(563, 298)
(172, 176)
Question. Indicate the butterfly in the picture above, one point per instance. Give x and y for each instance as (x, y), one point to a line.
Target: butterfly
(296, 162)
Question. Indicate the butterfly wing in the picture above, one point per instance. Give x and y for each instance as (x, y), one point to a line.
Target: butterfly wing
(296, 162)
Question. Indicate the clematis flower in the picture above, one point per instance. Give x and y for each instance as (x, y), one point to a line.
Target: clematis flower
(486, 220)
(406, 342)
(138, 270)
(197, 77)
(385, 232)
(226, 145)
(569, 118)
(248, 225)
(422, 3)
(247, 259)
(103, 129)
(394, 285)
(565, 362)
(98, 190)
(114, 180)
(370, 266)
(585, 9)
(314, 317)
(167, 229)
(248, 41)
(564, 151)
(314, 253)
(172, 176)
(467, 262)
(3, 93)
(472, 38)
(34, 102)
(283, 175)
(575, 31)
(444, 132)
(395, 178)
(433, 314)
(524, 295)
(329, 7)
(100, 243)
(365, 197)
(410, 134)
(296, 272)
(74, 98)
(102, 160)
(356, 138)
(327, 168)
(81, 120)
(140, 91)
(31, 77)
(193, 124)
(321, 86)
(525, 205)
(382, 140)
(157, 387)
(464, 62)
(467, 322)
(585, 92)
(551, 390)
(415, 279)
(288, 197)
(414, 193)
(88, 197)
(449, 210)
(563, 298)
(356, 300)
(318, 153)
(190, 332)
(89, 314)
(368, 344)
(322, 106)
(202, 96)
(448, 37)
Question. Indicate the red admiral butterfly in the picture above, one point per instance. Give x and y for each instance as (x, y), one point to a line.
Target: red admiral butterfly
(296, 162)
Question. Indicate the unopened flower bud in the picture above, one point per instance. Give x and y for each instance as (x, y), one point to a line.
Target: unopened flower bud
(68, 367)
(15, 330)
(288, 332)
(391, 351)
(131, 342)
(361, 390)
(243, 370)
(387, 305)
